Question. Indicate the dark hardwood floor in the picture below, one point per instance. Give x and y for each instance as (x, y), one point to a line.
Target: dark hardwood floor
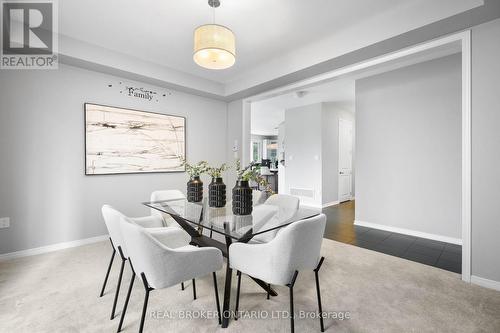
(340, 227)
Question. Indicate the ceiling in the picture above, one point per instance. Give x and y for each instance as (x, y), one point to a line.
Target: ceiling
(266, 119)
(273, 37)
(269, 113)
(340, 91)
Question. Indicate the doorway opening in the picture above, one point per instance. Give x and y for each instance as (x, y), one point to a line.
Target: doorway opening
(345, 161)
(443, 248)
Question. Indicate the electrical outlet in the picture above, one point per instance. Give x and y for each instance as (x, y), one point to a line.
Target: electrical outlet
(4, 222)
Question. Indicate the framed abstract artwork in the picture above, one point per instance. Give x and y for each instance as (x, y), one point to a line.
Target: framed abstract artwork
(121, 141)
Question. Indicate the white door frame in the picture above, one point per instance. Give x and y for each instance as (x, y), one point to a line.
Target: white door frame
(464, 38)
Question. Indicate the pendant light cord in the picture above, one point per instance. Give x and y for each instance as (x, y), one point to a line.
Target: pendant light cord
(213, 14)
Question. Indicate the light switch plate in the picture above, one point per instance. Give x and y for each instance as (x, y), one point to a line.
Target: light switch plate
(4, 222)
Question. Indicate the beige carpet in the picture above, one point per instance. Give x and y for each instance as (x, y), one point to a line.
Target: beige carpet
(58, 292)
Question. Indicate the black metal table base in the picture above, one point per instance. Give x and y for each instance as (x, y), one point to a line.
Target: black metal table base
(226, 311)
(204, 241)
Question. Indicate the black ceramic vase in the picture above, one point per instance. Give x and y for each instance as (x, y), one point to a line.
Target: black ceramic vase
(242, 198)
(195, 189)
(217, 193)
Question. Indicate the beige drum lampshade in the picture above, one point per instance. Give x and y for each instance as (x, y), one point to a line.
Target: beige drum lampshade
(214, 47)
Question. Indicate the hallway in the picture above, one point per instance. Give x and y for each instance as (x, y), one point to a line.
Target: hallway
(340, 227)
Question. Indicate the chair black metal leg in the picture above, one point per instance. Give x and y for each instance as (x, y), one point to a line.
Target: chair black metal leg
(316, 271)
(132, 279)
(182, 285)
(219, 315)
(109, 269)
(194, 289)
(292, 314)
(269, 288)
(236, 314)
(119, 283)
(147, 289)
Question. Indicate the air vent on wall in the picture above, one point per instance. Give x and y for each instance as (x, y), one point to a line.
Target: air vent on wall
(302, 192)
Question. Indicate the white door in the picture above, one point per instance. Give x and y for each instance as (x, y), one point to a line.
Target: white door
(345, 159)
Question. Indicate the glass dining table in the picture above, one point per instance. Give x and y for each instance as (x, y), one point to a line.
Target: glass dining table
(219, 227)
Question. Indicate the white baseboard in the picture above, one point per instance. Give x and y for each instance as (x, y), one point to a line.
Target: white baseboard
(409, 232)
(318, 206)
(52, 247)
(328, 204)
(309, 205)
(492, 284)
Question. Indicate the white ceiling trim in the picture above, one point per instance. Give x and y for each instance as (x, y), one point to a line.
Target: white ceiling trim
(70, 48)
(404, 17)
(91, 56)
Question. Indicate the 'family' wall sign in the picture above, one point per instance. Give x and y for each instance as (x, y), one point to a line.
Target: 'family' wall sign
(141, 92)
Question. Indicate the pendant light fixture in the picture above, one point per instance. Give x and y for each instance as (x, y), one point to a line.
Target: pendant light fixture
(214, 44)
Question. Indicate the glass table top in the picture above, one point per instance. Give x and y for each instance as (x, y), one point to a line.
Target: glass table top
(261, 226)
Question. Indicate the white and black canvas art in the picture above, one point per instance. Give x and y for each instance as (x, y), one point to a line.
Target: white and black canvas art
(121, 141)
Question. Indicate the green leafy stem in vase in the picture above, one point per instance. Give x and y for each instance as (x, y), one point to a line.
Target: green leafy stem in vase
(217, 172)
(197, 169)
(252, 173)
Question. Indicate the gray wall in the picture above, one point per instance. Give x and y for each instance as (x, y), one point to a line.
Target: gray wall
(43, 187)
(332, 112)
(311, 148)
(408, 148)
(486, 150)
(234, 132)
(303, 151)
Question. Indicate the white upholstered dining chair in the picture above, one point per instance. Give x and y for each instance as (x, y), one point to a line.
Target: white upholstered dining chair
(296, 247)
(288, 205)
(112, 220)
(166, 195)
(161, 265)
